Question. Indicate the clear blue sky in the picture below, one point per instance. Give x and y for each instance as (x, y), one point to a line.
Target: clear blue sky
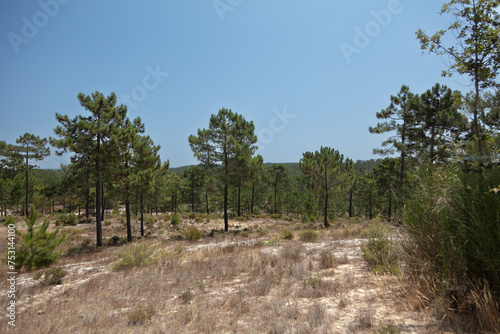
(259, 58)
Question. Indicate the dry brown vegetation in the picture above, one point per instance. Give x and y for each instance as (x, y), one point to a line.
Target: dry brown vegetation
(223, 283)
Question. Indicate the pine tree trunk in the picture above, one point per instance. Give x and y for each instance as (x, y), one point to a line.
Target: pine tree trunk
(127, 213)
(326, 199)
(226, 185)
(276, 195)
(253, 194)
(98, 196)
(390, 208)
(142, 215)
(350, 203)
(27, 186)
(206, 200)
(371, 204)
(239, 199)
(103, 203)
(87, 201)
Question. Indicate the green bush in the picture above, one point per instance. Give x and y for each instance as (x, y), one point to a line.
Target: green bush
(135, 255)
(193, 234)
(54, 276)
(241, 218)
(176, 220)
(37, 248)
(66, 220)
(379, 252)
(261, 232)
(308, 236)
(287, 234)
(453, 217)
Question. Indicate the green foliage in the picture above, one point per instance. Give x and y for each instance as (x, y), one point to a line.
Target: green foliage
(287, 234)
(135, 255)
(322, 168)
(175, 220)
(379, 251)
(54, 276)
(453, 217)
(308, 236)
(66, 219)
(230, 141)
(193, 234)
(37, 248)
(260, 232)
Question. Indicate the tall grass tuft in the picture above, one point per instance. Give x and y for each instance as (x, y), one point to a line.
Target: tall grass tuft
(135, 255)
(452, 216)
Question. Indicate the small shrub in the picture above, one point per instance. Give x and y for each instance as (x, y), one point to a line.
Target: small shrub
(260, 232)
(379, 252)
(82, 249)
(327, 260)
(292, 253)
(186, 296)
(244, 234)
(140, 316)
(315, 282)
(167, 217)
(390, 329)
(287, 234)
(273, 241)
(175, 221)
(36, 248)
(276, 216)
(115, 239)
(85, 220)
(107, 223)
(54, 276)
(308, 236)
(241, 218)
(193, 234)
(66, 220)
(135, 255)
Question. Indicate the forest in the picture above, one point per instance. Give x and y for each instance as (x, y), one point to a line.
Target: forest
(436, 178)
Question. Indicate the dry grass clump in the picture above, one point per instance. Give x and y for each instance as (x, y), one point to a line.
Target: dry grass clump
(135, 255)
(308, 236)
(327, 260)
(363, 321)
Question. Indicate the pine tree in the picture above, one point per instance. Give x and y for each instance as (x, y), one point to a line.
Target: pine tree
(278, 175)
(93, 139)
(37, 248)
(323, 167)
(438, 121)
(29, 147)
(476, 53)
(400, 118)
(228, 138)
